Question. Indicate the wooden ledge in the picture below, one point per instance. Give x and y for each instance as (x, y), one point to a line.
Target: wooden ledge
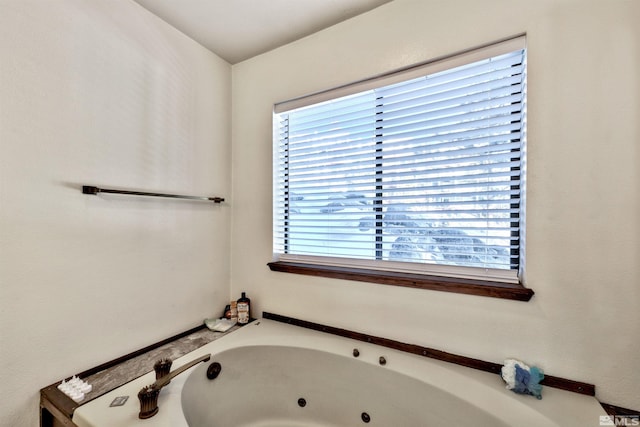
(435, 283)
(632, 414)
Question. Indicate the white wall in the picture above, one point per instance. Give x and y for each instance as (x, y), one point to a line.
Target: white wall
(102, 92)
(583, 185)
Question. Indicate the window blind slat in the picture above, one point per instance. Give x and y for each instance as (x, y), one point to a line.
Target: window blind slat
(434, 174)
(458, 135)
(402, 150)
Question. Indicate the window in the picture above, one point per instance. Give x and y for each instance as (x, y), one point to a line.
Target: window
(419, 172)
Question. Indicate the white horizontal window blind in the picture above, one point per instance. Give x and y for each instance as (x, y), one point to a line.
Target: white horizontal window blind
(426, 171)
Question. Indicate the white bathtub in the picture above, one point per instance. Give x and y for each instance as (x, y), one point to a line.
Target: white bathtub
(277, 375)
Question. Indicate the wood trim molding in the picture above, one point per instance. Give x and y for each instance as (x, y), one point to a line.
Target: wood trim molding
(436, 283)
(55, 408)
(549, 380)
(621, 412)
(117, 361)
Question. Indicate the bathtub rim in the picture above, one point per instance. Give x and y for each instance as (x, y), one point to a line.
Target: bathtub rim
(252, 334)
(574, 386)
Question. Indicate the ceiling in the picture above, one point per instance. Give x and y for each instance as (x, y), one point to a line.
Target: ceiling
(237, 30)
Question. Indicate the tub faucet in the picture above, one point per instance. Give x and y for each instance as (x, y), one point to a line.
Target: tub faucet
(148, 395)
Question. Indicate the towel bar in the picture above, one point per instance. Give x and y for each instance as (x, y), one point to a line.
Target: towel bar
(87, 189)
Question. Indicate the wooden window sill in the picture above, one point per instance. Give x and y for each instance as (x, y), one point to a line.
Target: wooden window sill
(434, 283)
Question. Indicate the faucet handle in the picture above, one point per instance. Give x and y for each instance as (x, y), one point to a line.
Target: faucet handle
(162, 368)
(148, 397)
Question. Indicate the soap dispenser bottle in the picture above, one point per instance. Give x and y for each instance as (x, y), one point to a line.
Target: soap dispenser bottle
(244, 309)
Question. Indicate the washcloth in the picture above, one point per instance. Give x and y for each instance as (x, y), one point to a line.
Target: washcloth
(219, 325)
(521, 378)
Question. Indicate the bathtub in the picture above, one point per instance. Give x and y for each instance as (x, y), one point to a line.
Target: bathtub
(278, 375)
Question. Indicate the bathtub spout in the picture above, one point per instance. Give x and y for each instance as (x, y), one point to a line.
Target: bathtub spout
(148, 396)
